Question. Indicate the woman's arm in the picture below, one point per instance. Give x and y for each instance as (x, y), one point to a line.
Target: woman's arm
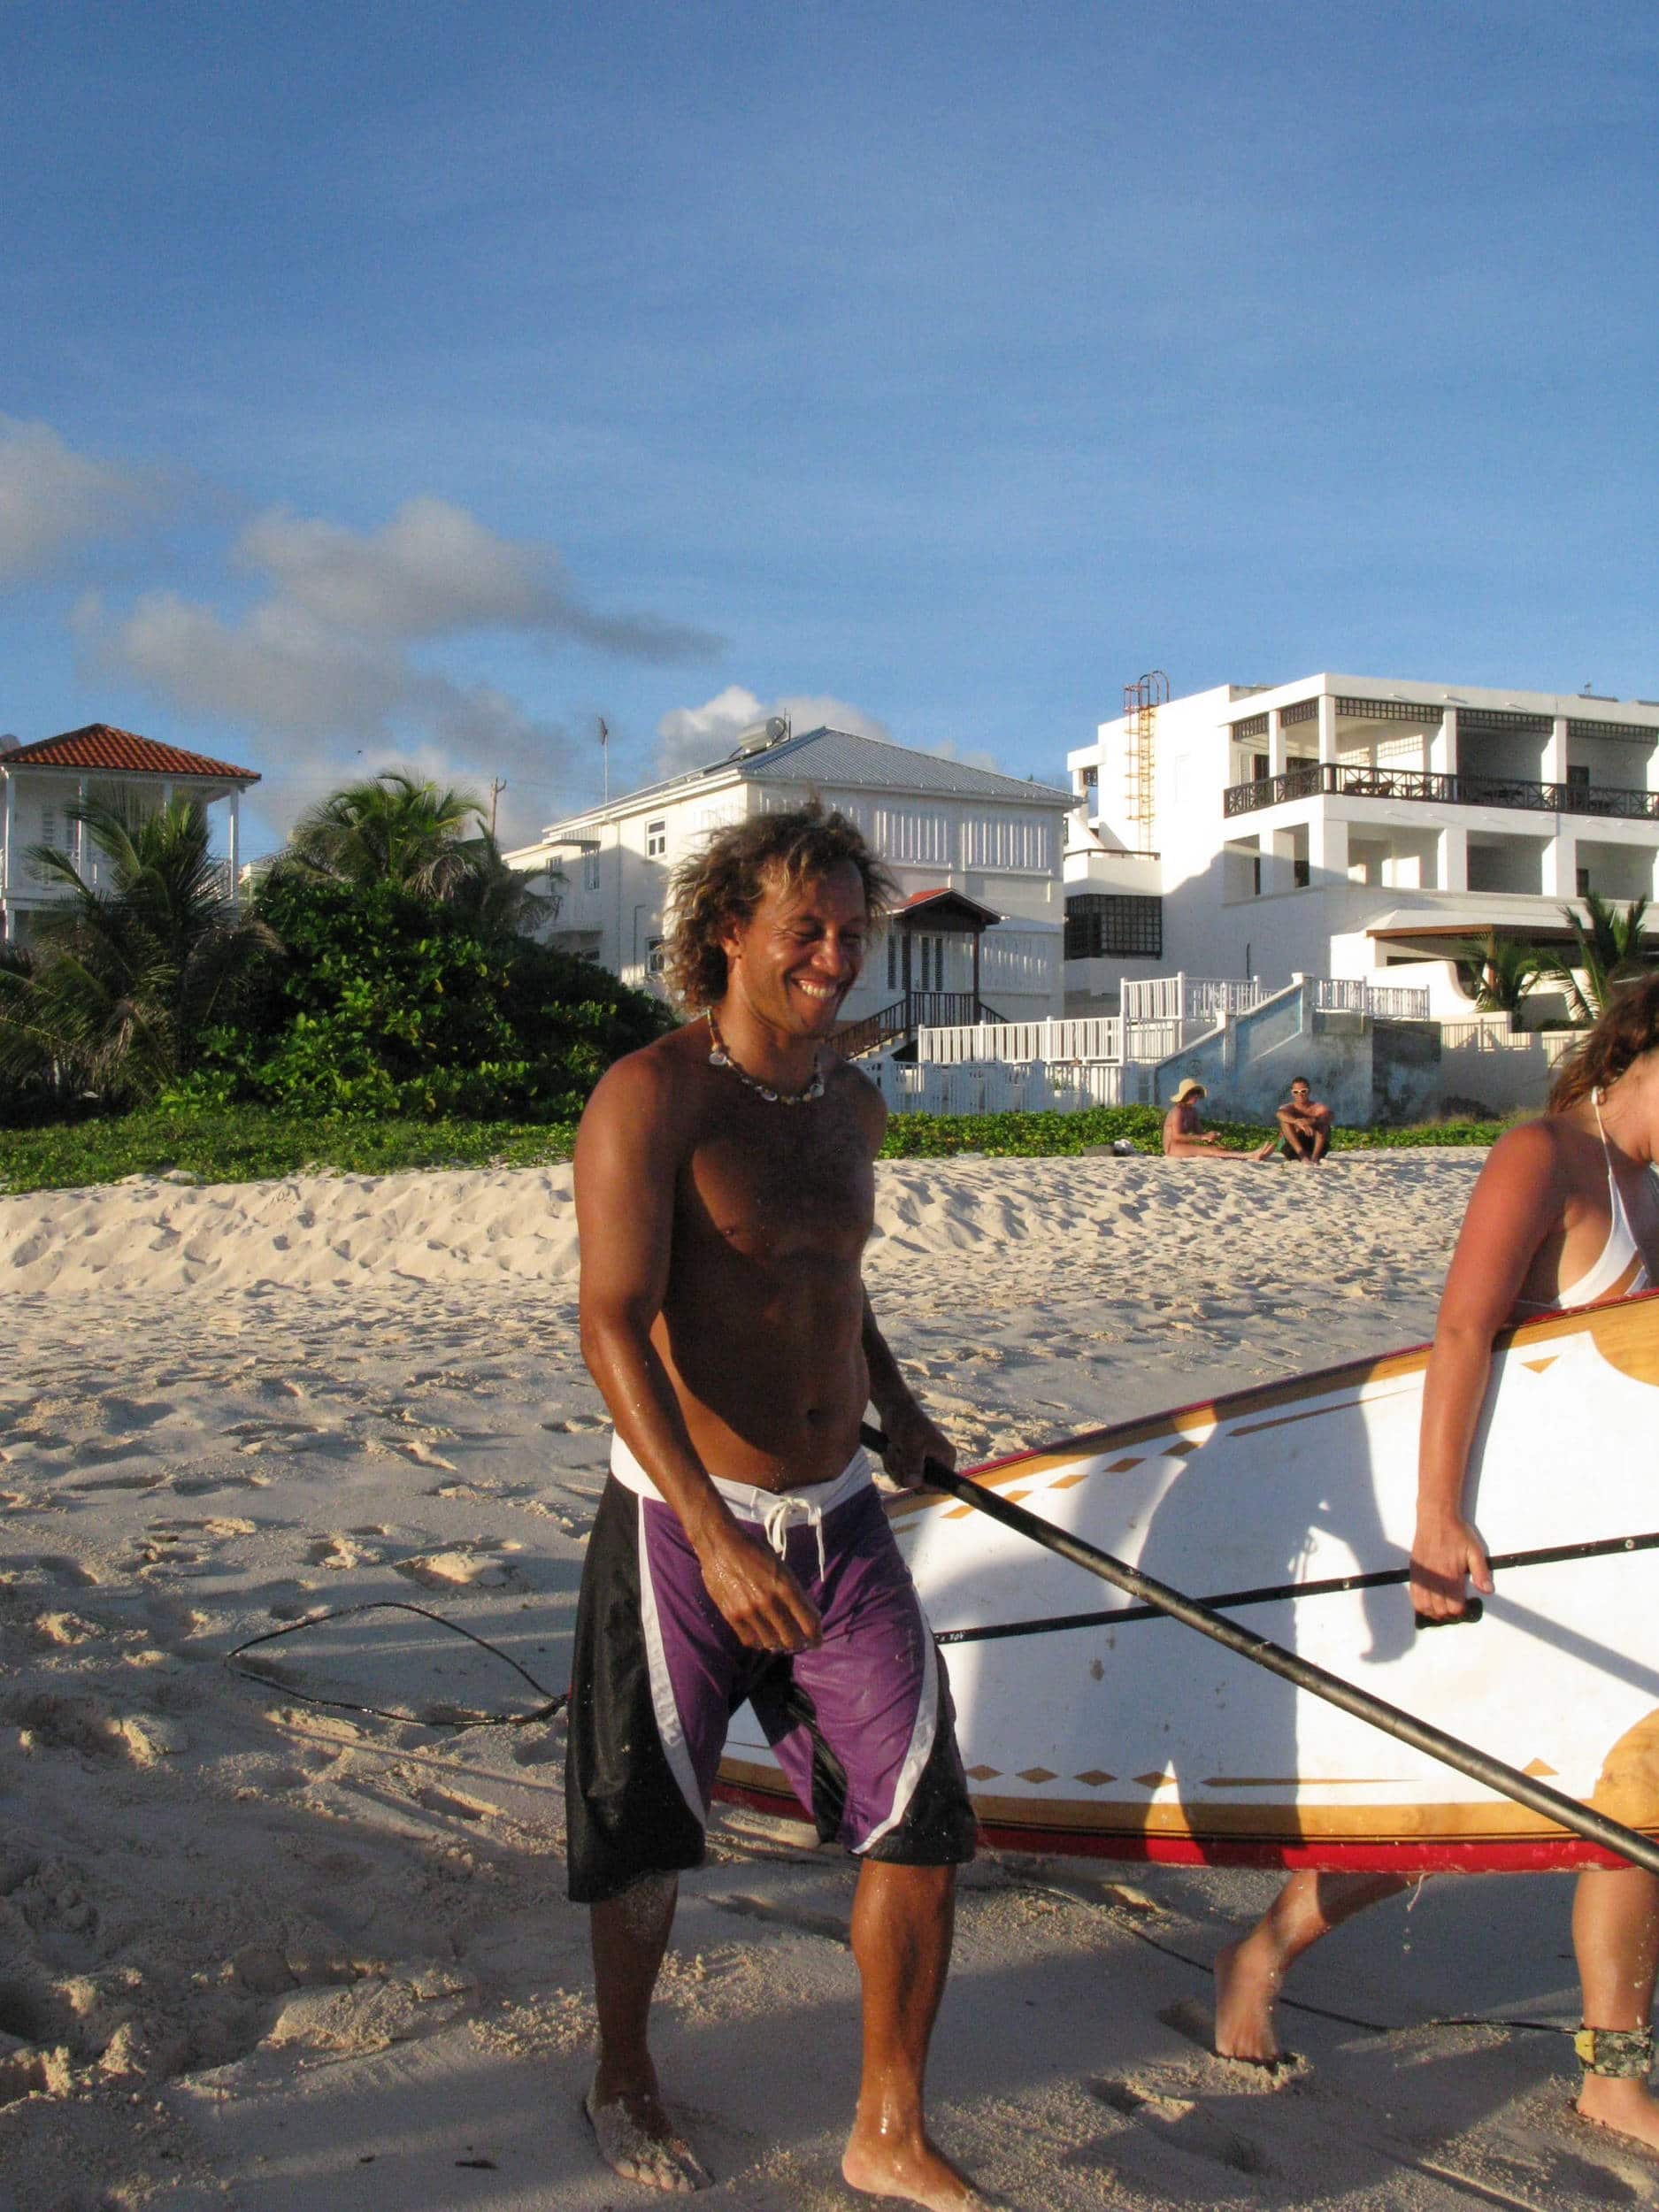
(1516, 1202)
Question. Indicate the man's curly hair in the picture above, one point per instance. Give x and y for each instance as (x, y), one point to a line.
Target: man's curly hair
(719, 889)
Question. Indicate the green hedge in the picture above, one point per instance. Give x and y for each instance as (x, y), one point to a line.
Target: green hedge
(247, 1144)
(241, 1144)
(999, 1136)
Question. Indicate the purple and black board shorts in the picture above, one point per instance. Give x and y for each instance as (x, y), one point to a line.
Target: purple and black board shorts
(862, 1727)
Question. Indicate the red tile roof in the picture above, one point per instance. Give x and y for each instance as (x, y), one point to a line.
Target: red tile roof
(944, 894)
(99, 746)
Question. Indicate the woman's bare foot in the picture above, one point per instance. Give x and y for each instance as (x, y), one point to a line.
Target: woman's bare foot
(1247, 1977)
(636, 2140)
(879, 2165)
(1623, 2104)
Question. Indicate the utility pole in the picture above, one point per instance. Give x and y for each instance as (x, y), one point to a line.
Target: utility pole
(498, 784)
(604, 748)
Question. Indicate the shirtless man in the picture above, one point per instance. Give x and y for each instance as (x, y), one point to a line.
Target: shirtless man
(725, 1190)
(1184, 1140)
(1305, 1124)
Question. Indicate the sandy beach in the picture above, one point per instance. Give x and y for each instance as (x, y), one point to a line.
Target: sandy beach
(278, 1955)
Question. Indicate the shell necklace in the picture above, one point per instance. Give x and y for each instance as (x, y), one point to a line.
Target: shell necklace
(719, 1057)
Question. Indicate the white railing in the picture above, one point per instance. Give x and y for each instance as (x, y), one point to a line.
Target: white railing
(1089, 1037)
(1383, 1002)
(1186, 998)
(1497, 1036)
(997, 1087)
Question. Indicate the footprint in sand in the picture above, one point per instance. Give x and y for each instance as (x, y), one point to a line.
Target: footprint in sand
(458, 1569)
(338, 1553)
(460, 1807)
(1182, 2123)
(72, 1573)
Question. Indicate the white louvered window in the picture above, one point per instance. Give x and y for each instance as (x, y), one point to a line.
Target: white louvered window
(912, 834)
(1019, 842)
(49, 836)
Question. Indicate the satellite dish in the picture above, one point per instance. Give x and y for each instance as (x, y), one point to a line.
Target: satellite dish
(9, 742)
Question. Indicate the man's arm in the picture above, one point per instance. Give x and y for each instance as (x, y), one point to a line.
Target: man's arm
(629, 1152)
(911, 1437)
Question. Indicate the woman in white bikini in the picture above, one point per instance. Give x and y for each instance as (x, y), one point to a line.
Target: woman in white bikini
(1566, 1213)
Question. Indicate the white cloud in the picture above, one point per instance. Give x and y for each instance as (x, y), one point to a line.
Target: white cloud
(692, 737)
(323, 668)
(53, 499)
(433, 570)
(337, 706)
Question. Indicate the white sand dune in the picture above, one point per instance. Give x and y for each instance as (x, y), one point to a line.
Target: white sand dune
(280, 1956)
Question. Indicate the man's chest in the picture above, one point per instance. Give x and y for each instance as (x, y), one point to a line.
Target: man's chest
(802, 1181)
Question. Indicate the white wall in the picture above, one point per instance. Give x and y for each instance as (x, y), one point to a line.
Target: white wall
(1005, 857)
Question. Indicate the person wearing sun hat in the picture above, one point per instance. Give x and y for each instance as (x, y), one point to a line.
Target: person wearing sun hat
(1184, 1140)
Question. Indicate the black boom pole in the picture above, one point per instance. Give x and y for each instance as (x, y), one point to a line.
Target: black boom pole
(1566, 1812)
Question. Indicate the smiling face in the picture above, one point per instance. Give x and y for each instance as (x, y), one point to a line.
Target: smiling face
(792, 964)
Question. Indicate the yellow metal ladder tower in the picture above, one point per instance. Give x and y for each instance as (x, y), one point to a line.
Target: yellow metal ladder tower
(1142, 702)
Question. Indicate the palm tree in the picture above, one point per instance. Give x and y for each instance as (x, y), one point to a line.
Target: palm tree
(391, 830)
(1499, 974)
(122, 982)
(1607, 949)
(497, 901)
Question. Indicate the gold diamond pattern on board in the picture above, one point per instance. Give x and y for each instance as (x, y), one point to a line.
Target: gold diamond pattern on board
(1094, 1778)
(1037, 1774)
(983, 1774)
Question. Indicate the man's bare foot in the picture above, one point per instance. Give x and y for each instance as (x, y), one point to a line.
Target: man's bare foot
(1247, 1977)
(1262, 1151)
(1621, 2104)
(636, 2140)
(879, 2165)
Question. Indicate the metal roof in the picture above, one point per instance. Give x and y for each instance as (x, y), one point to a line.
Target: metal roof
(838, 757)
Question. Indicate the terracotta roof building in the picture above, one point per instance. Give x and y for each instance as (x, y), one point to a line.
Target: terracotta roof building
(41, 784)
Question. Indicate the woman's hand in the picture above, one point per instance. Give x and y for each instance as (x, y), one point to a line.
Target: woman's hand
(1443, 1554)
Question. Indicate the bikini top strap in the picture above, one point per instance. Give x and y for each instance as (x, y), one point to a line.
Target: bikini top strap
(1615, 1194)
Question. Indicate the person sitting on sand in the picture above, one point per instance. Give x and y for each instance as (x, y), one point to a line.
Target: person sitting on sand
(1304, 1123)
(1184, 1140)
(1565, 1214)
(725, 1190)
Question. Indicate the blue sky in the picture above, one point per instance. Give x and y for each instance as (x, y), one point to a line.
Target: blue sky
(426, 380)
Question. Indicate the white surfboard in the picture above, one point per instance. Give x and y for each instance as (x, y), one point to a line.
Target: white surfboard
(1135, 1737)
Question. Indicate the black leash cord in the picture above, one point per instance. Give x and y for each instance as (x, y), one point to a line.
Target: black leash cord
(553, 1705)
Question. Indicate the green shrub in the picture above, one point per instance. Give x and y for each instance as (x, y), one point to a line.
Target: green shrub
(247, 1143)
(384, 1002)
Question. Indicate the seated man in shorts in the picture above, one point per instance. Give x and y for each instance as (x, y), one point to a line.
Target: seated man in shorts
(1184, 1140)
(725, 1190)
(1305, 1124)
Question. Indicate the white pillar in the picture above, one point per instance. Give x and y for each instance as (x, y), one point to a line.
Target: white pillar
(1327, 729)
(1443, 745)
(1327, 847)
(1555, 752)
(1275, 742)
(80, 830)
(1451, 872)
(8, 821)
(1560, 865)
(235, 844)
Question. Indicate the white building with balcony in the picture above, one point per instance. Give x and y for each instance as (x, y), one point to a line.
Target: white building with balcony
(42, 785)
(1341, 826)
(976, 856)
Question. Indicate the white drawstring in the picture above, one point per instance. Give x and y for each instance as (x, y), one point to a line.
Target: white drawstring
(780, 1511)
